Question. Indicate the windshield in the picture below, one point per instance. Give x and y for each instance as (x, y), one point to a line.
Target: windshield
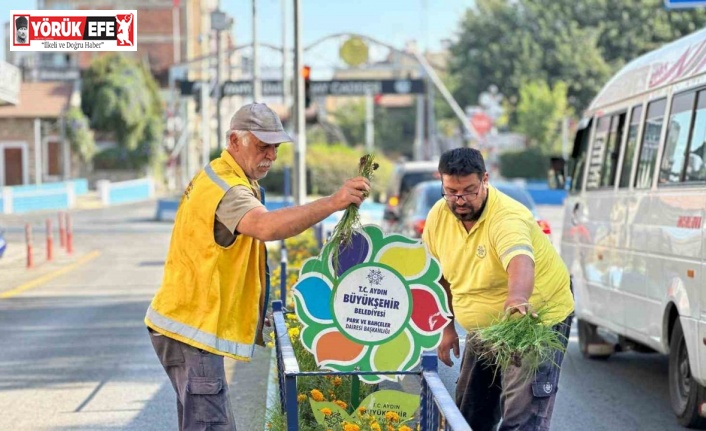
(411, 179)
(431, 195)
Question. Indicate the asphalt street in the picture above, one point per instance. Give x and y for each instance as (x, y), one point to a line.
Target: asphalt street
(75, 354)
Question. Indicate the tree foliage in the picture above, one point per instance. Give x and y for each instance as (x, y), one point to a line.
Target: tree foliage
(350, 117)
(579, 42)
(539, 114)
(328, 166)
(120, 96)
(80, 135)
(394, 128)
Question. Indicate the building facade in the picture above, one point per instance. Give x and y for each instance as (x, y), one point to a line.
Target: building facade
(32, 145)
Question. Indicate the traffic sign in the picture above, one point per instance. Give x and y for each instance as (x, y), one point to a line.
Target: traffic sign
(360, 87)
(681, 4)
(481, 122)
(336, 87)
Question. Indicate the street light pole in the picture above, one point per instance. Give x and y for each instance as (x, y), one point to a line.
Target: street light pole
(219, 59)
(285, 86)
(300, 131)
(219, 22)
(256, 92)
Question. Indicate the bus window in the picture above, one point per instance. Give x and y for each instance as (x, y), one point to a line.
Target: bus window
(578, 155)
(597, 153)
(610, 164)
(631, 144)
(677, 138)
(696, 168)
(650, 142)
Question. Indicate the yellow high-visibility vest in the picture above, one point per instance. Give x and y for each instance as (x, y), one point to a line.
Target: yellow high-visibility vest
(212, 297)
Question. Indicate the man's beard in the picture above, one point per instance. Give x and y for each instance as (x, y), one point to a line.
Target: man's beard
(21, 39)
(472, 215)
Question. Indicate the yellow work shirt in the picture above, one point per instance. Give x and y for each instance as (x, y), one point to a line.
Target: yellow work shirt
(475, 262)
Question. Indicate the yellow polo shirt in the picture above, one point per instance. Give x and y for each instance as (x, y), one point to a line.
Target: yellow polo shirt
(475, 263)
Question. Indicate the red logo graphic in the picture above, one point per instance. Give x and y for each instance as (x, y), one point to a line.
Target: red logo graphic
(126, 35)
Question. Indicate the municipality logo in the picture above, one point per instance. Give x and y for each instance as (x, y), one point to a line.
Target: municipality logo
(74, 30)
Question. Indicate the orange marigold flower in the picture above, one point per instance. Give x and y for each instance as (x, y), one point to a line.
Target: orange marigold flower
(375, 426)
(301, 398)
(317, 395)
(392, 416)
(337, 381)
(351, 427)
(404, 428)
(362, 409)
(341, 404)
(326, 411)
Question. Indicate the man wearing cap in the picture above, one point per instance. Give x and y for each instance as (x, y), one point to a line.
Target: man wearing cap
(21, 24)
(212, 300)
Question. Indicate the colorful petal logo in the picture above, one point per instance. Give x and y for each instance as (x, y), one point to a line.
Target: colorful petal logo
(379, 312)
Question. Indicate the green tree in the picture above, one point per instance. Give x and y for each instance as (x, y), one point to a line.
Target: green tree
(508, 43)
(539, 114)
(579, 42)
(394, 130)
(350, 117)
(120, 96)
(80, 135)
(394, 127)
(493, 48)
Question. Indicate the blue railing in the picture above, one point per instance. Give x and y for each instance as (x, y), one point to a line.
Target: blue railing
(48, 196)
(437, 409)
(125, 191)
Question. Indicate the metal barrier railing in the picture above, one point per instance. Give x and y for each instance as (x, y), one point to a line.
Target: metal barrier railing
(437, 412)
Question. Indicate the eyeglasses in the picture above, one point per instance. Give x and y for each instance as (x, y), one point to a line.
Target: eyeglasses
(451, 197)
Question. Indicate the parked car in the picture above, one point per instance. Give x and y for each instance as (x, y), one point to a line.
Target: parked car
(404, 178)
(413, 211)
(3, 243)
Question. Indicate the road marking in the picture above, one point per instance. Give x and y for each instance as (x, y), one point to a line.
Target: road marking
(48, 277)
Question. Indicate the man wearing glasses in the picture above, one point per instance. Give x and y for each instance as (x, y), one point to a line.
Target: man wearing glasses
(495, 259)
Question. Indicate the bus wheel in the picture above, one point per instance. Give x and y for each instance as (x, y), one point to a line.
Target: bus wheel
(592, 345)
(685, 393)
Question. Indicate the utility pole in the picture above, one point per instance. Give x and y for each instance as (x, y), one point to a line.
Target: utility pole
(369, 124)
(219, 59)
(256, 89)
(219, 22)
(285, 58)
(205, 117)
(300, 131)
(431, 124)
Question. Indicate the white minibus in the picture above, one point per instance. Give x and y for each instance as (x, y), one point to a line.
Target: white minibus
(634, 236)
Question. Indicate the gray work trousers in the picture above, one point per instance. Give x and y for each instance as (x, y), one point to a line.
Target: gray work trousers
(199, 380)
(485, 394)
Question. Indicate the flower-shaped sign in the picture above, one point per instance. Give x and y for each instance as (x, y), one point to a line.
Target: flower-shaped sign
(382, 308)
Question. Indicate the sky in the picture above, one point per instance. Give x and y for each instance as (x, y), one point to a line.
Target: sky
(391, 21)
